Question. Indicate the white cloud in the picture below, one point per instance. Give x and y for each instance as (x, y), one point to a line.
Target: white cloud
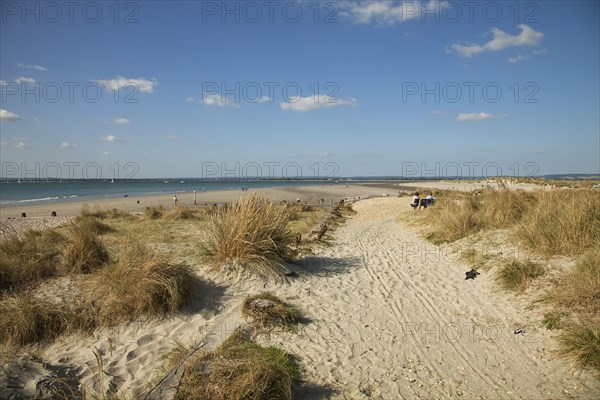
(3, 83)
(517, 58)
(21, 145)
(32, 66)
(110, 139)
(387, 12)
(477, 116)
(190, 99)
(217, 100)
(120, 82)
(321, 154)
(35, 119)
(24, 79)
(66, 145)
(172, 138)
(106, 153)
(315, 102)
(264, 99)
(118, 121)
(6, 115)
(500, 41)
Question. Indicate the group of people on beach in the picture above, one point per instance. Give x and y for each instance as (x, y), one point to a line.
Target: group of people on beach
(425, 202)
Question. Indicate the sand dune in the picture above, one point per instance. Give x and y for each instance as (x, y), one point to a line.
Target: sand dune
(390, 316)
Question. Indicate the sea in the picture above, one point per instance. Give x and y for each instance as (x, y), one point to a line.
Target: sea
(16, 192)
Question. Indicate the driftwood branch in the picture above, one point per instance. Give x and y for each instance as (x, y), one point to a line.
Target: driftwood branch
(167, 387)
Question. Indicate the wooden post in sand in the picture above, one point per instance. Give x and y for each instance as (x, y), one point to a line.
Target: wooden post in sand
(194, 196)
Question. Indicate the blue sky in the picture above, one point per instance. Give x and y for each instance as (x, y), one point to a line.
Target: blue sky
(372, 88)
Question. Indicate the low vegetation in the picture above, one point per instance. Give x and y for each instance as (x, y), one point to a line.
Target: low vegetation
(516, 275)
(265, 310)
(240, 369)
(27, 319)
(84, 252)
(562, 222)
(463, 214)
(29, 259)
(139, 285)
(252, 236)
(577, 299)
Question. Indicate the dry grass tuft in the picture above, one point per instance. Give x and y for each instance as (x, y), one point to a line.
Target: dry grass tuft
(516, 275)
(461, 214)
(579, 342)
(84, 252)
(268, 311)
(251, 235)
(26, 319)
(153, 212)
(29, 259)
(179, 213)
(579, 289)
(92, 224)
(563, 222)
(240, 369)
(139, 284)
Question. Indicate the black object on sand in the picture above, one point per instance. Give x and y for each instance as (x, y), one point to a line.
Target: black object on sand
(472, 274)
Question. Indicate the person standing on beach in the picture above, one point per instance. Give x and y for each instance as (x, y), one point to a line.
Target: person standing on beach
(175, 199)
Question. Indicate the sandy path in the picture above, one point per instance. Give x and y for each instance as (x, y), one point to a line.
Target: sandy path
(393, 317)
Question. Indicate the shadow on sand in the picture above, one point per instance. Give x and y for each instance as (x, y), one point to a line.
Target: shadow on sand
(207, 298)
(311, 391)
(323, 266)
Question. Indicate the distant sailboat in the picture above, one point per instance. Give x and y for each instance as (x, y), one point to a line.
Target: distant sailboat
(112, 181)
(181, 182)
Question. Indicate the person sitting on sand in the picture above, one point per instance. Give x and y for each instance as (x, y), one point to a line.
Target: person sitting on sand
(429, 200)
(416, 201)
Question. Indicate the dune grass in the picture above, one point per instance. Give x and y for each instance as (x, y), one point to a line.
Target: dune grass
(268, 311)
(252, 235)
(579, 288)
(29, 259)
(516, 275)
(26, 319)
(153, 212)
(462, 214)
(83, 252)
(240, 369)
(577, 300)
(139, 284)
(579, 342)
(180, 212)
(562, 222)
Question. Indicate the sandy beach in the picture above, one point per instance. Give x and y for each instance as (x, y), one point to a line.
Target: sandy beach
(306, 194)
(390, 316)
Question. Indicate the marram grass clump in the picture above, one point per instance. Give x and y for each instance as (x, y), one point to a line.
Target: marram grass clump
(27, 319)
(26, 260)
(139, 284)
(84, 252)
(250, 236)
(240, 369)
(268, 311)
(516, 275)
